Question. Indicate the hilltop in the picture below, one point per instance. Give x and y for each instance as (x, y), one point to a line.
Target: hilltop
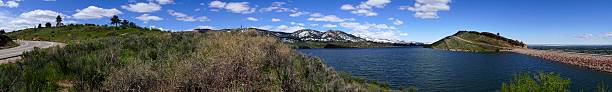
(78, 32)
(308, 38)
(476, 41)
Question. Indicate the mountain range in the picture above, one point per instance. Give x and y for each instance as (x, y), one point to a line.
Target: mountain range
(330, 37)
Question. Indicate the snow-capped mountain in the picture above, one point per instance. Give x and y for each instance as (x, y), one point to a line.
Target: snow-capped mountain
(318, 36)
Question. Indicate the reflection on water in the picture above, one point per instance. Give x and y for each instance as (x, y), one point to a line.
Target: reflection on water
(438, 70)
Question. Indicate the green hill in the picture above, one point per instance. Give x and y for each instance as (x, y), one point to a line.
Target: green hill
(79, 32)
(476, 41)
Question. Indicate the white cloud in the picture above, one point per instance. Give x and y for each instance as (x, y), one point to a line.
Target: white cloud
(282, 28)
(165, 1)
(370, 30)
(366, 8)
(142, 7)
(585, 36)
(234, 7)
(295, 23)
(428, 9)
(147, 17)
(184, 17)
(276, 6)
(330, 18)
(10, 4)
(30, 19)
(93, 12)
(316, 15)
(275, 20)
(330, 25)
(396, 21)
(609, 34)
(297, 14)
(252, 19)
(206, 27)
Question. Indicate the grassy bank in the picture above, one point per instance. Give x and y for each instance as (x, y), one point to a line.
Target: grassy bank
(7, 42)
(216, 61)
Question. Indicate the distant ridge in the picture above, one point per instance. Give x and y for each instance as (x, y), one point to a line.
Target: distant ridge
(308, 38)
(476, 41)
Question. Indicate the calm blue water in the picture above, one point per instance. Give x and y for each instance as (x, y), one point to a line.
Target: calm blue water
(438, 70)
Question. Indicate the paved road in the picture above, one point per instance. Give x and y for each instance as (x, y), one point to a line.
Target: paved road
(25, 46)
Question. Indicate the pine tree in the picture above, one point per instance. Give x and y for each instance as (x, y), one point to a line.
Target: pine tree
(125, 23)
(115, 20)
(39, 25)
(58, 20)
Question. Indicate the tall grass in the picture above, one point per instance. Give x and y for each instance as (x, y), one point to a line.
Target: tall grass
(215, 61)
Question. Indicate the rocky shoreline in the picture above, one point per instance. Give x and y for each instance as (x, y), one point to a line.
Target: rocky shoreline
(596, 62)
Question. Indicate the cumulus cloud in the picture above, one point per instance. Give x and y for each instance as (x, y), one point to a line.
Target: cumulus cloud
(93, 12)
(297, 14)
(206, 27)
(428, 9)
(9, 4)
(165, 1)
(184, 17)
(234, 7)
(275, 20)
(30, 19)
(142, 7)
(366, 8)
(276, 6)
(330, 18)
(282, 28)
(330, 25)
(147, 17)
(252, 19)
(396, 21)
(372, 30)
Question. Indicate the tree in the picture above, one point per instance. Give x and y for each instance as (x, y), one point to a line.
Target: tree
(115, 20)
(39, 25)
(48, 24)
(58, 20)
(125, 23)
(2, 31)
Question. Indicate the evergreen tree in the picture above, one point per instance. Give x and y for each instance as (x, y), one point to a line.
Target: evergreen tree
(2, 31)
(39, 25)
(115, 20)
(125, 23)
(58, 20)
(48, 24)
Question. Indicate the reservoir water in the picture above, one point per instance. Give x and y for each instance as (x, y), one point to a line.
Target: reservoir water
(448, 71)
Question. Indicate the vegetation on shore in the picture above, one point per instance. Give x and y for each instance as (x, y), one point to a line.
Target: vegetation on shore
(476, 41)
(216, 61)
(542, 82)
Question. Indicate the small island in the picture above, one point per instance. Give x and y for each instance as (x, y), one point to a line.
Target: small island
(476, 41)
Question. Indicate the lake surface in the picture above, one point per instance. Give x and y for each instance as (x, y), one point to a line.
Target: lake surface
(439, 70)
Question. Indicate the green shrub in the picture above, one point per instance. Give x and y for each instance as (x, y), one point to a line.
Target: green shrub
(542, 82)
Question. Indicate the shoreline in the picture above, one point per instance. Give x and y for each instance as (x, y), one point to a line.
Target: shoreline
(600, 63)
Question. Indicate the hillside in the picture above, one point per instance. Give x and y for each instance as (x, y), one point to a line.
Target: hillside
(308, 38)
(79, 32)
(177, 61)
(6, 42)
(476, 41)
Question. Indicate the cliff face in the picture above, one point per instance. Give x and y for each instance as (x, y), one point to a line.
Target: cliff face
(476, 41)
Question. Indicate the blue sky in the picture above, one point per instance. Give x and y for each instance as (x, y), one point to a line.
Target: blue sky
(532, 21)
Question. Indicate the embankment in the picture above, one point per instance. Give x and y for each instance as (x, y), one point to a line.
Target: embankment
(597, 62)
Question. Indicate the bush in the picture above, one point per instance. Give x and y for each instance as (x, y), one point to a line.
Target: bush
(542, 82)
